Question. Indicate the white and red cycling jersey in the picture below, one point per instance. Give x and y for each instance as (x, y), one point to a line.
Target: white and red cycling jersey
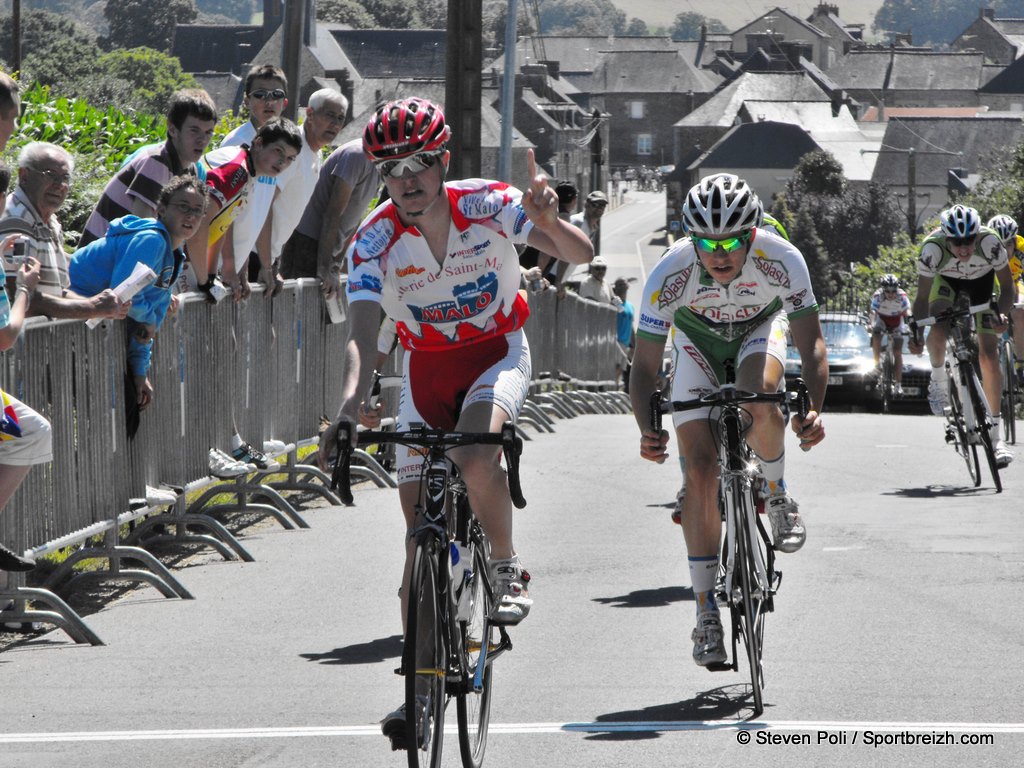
(473, 295)
(889, 311)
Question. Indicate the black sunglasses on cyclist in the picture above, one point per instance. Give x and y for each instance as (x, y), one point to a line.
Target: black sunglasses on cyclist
(275, 95)
(963, 240)
(414, 164)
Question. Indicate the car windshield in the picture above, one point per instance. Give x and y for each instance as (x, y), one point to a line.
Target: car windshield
(845, 334)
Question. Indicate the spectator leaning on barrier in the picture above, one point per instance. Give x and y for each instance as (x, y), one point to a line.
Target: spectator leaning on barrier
(325, 117)
(265, 99)
(589, 220)
(348, 185)
(157, 243)
(24, 434)
(136, 187)
(231, 174)
(595, 287)
(624, 332)
(44, 178)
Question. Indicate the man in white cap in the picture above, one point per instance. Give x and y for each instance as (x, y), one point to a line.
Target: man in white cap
(589, 220)
(595, 287)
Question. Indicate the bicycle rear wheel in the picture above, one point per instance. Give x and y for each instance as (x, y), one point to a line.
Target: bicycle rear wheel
(981, 418)
(1008, 405)
(967, 450)
(425, 659)
(750, 616)
(478, 638)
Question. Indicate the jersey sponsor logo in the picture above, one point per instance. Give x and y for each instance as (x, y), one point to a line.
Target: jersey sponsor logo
(694, 354)
(726, 314)
(473, 250)
(412, 269)
(773, 270)
(673, 287)
(480, 205)
(654, 323)
(708, 292)
(797, 299)
(375, 238)
(520, 221)
(365, 283)
(746, 289)
(470, 299)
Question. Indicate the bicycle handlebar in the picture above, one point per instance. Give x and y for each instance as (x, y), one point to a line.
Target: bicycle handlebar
(955, 311)
(729, 395)
(512, 447)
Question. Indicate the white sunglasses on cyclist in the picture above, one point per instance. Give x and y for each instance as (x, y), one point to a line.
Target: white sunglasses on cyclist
(414, 164)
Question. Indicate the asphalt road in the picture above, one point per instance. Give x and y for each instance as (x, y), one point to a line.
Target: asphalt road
(899, 619)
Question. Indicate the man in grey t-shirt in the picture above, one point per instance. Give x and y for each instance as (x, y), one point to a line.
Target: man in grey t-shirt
(347, 185)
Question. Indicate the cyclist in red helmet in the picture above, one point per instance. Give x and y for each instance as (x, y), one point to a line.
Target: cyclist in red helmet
(439, 258)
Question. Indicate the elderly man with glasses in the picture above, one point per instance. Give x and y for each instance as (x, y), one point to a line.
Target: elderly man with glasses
(44, 179)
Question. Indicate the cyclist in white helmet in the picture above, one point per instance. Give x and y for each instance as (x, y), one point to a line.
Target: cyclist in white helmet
(1006, 227)
(729, 292)
(964, 256)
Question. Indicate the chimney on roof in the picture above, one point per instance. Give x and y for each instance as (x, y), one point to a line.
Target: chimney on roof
(986, 13)
(700, 44)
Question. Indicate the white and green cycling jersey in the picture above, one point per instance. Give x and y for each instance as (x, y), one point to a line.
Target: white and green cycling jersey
(680, 293)
(936, 260)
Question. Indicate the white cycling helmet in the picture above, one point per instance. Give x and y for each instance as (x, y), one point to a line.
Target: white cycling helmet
(1004, 226)
(960, 221)
(720, 205)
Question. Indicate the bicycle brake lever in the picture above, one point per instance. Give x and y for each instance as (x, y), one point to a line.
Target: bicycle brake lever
(655, 415)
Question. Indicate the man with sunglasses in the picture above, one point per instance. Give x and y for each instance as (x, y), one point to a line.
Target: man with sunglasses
(439, 257)
(890, 308)
(962, 256)
(728, 293)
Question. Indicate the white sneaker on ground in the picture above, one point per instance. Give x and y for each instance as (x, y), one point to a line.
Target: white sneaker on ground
(708, 639)
(788, 530)
(511, 592)
(938, 397)
(223, 466)
(1003, 454)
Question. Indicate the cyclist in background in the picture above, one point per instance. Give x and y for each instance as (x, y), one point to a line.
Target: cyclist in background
(963, 256)
(1006, 227)
(890, 308)
(728, 292)
(439, 258)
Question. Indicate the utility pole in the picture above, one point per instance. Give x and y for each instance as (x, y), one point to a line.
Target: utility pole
(464, 86)
(911, 154)
(293, 35)
(508, 90)
(16, 36)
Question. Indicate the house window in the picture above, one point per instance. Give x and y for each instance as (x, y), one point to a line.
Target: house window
(637, 109)
(643, 144)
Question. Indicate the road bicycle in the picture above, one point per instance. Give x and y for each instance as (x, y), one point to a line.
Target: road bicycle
(747, 579)
(1011, 394)
(887, 375)
(968, 424)
(450, 642)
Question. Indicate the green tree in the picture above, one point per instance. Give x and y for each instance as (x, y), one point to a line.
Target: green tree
(636, 27)
(237, 10)
(55, 48)
(152, 77)
(686, 26)
(146, 23)
(349, 12)
(393, 14)
(1001, 188)
(581, 17)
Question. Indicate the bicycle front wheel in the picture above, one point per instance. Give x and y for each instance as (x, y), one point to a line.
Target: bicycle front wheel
(967, 450)
(1008, 406)
(473, 702)
(425, 659)
(983, 423)
(888, 379)
(750, 617)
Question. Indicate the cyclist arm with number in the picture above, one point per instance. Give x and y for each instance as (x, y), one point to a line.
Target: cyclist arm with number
(807, 337)
(360, 352)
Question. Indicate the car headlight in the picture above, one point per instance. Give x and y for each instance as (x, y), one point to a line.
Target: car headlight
(864, 365)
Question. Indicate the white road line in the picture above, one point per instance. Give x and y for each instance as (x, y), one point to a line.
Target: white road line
(512, 728)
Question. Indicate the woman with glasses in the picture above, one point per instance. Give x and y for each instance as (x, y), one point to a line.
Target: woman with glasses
(962, 256)
(890, 308)
(728, 293)
(439, 258)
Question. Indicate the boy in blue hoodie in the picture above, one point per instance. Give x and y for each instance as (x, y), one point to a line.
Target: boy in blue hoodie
(159, 244)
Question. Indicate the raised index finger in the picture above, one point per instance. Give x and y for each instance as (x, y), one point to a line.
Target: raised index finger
(531, 165)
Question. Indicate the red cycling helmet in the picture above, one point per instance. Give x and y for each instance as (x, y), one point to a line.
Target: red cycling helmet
(404, 128)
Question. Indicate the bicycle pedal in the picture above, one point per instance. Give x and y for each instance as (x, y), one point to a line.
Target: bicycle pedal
(399, 672)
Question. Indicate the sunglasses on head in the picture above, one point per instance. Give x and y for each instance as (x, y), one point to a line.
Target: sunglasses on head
(275, 95)
(728, 245)
(414, 164)
(962, 240)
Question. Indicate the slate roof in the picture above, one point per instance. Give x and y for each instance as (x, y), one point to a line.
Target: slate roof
(224, 88)
(650, 72)
(744, 146)
(760, 21)
(215, 47)
(394, 52)
(721, 108)
(908, 70)
(581, 54)
(974, 137)
(1010, 80)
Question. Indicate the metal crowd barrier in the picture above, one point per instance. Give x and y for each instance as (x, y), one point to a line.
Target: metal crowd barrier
(269, 367)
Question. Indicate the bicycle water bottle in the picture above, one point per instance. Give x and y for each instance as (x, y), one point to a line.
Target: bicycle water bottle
(462, 572)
